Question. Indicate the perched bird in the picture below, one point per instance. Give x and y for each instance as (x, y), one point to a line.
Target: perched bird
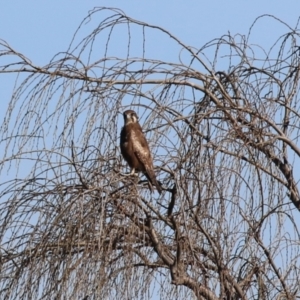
(135, 149)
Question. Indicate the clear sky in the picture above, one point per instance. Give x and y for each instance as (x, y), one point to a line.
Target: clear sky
(40, 29)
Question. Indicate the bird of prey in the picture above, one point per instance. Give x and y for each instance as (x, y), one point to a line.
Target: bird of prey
(135, 149)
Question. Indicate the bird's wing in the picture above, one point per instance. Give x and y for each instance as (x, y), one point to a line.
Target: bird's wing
(141, 150)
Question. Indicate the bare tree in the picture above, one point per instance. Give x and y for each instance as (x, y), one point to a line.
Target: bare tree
(223, 125)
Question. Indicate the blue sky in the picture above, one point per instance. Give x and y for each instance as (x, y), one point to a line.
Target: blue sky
(40, 29)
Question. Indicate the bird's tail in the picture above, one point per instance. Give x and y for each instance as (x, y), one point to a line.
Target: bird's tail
(152, 181)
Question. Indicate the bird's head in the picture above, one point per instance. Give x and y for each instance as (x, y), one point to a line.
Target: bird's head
(130, 116)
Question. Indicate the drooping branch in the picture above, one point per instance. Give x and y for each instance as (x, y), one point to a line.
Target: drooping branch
(224, 145)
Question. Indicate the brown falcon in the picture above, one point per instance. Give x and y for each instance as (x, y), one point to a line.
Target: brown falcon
(135, 149)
